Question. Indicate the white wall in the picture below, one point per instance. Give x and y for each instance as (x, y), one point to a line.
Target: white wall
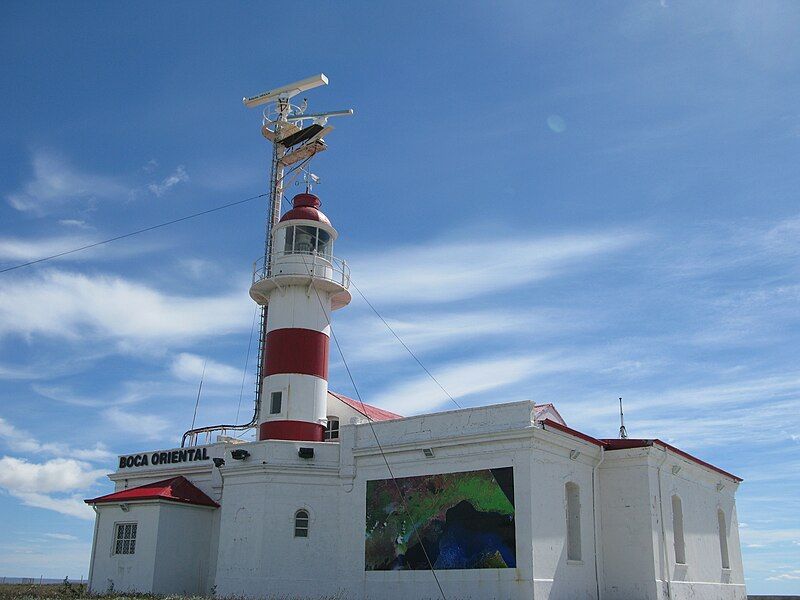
(555, 576)
(253, 551)
(183, 550)
(702, 577)
(125, 572)
(638, 560)
(629, 568)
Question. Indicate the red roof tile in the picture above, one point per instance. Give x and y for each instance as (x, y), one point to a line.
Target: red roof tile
(371, 412)
(174, 489)
(622, 444)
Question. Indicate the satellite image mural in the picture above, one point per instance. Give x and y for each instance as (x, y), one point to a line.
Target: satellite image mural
(462, 520)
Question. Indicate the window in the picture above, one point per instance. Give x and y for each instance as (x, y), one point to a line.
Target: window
(323, 242)
(305, 239)
(677, 530)
(573, 499)
(332, 429)
(275, 402)
(125, 538)
(301, 523)
(289, 245)
(723, 540)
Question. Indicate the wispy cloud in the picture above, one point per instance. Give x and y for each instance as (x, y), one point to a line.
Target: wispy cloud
(56, 183)
(19, 440)
(46, 485)
(190, 367)
(81, 307)
(179, 175)
(464, 379)
(369, 340)
(147, 426)
(446, 271)
(61, 536)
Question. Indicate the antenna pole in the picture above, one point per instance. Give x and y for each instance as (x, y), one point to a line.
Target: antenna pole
(623, 433)
(275, 179)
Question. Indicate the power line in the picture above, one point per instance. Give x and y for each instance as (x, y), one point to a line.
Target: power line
(131, 234)
(246, 362)
(374, 433)
(399, 339)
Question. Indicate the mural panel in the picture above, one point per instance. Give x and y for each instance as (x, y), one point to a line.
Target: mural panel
(461, 520)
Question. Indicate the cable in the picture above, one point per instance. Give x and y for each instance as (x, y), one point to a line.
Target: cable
(374, 433)
(199, 389)
(399, 339)
(246, 362)
(130, 234)
(146, 229)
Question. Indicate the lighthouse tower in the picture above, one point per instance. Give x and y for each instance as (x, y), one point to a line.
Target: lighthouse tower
(300, 283)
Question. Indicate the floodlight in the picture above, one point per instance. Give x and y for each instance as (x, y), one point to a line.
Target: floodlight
(287, 91)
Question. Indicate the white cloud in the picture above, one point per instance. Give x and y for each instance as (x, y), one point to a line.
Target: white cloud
(55, 475)
(177, 176)
(137, 423)
(447, 271)
(367, 339)
(73, 505)
(78, 223)
(19, 440)
(15, 249)
(190, 367)
(68, 305)
(56, 183)
(61, 536)
(464, 379)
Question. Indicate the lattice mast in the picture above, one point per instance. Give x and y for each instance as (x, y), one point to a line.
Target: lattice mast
(282, 124)
(296, 137)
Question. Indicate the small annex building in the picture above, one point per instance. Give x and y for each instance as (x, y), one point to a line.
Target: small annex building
(337, 498)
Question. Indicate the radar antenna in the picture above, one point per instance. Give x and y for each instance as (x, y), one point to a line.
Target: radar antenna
(295, 136)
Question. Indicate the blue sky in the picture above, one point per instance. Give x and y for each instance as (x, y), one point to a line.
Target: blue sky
(550, 201)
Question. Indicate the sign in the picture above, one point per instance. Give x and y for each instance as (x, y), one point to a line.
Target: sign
(163, 458)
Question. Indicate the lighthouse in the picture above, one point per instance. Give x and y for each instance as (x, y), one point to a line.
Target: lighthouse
(300, 283)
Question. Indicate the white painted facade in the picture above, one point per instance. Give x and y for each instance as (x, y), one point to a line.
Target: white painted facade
(247, 547)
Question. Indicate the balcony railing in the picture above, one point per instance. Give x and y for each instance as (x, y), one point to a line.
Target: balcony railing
(310, 264)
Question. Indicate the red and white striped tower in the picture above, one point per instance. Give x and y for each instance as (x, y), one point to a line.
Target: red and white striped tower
(303, 284)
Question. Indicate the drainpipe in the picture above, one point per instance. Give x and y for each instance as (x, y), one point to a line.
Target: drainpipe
(596, 525)
(664, 549)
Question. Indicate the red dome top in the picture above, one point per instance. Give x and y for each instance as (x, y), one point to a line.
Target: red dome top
(305, 206)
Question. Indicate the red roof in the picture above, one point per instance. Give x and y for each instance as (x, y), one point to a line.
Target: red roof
(174, 489)
(569, 430)
(305, 206)
(622, 444)
(373, 413)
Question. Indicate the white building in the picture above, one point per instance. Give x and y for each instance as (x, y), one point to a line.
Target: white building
(339, 498)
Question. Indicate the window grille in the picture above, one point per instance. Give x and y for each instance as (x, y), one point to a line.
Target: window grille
(125, 538)
(301, 523)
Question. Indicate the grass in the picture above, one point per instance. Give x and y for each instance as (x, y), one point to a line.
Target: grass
(77, 591)
(61, 591)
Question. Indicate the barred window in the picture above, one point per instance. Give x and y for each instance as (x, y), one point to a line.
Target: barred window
(125, 538)
(301, 523)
